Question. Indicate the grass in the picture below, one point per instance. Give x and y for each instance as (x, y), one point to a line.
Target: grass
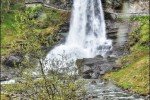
(134, 75)
(5, 97)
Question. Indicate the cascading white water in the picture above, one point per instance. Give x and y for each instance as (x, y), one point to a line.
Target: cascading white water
(87, 35)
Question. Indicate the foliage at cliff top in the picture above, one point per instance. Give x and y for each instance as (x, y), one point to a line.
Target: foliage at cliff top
(134, 74)
(20, 23)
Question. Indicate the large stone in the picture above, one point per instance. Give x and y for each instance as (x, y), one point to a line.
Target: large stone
(12, 61)
(94, 67)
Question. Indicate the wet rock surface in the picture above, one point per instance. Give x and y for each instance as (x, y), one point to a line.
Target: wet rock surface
(8, 73)
(12, 60)
(94, 67)
(64, 27)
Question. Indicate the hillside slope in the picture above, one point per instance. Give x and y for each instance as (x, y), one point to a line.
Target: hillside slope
(134, 74)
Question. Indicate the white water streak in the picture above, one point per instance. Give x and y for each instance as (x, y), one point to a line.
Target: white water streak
(87, 35)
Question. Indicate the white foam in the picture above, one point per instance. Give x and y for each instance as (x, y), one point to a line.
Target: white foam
(86, 35)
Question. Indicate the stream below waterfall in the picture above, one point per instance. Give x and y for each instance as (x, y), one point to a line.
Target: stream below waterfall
(101, 90)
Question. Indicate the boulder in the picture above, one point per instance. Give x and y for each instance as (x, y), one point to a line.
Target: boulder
(94, 67)
(112, 36)
(13, 60)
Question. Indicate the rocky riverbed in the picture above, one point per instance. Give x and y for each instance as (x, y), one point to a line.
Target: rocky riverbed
(98, 89)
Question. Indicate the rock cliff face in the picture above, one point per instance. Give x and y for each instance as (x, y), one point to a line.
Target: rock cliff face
(67, 4)
(139, 6)
(61, 4)
(136, 6)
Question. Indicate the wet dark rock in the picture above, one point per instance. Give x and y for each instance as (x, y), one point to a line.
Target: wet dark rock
(9, 67)
(112, 33)
(99, 56)
(3, 78)
(107, 47)
(112, 36)
(117, 67)
(61, 38)
(8, 73)
(13, 60)
(110, 16)
(64, 27)
(119, 51)
(94, 67)
(86, 76)
(112, 26)
(111, 29)
(107, 66)
(92, 61)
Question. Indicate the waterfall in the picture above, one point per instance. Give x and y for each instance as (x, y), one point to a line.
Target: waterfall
(87, 35)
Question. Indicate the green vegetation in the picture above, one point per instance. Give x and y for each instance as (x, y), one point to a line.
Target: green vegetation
(134, 74)
(26, 30)
(5, 97)
(19, 22)
(54, 89)
(51, 86)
